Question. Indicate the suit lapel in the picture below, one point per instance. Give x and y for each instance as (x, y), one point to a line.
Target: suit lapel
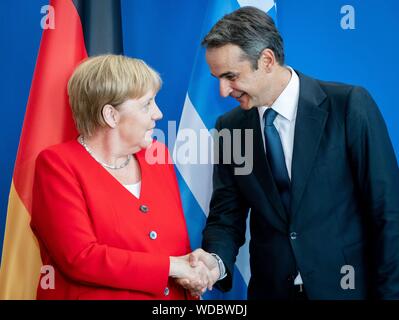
(310, 123)
(261, 168)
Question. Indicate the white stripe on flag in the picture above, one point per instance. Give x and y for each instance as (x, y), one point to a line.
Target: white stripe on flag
(264, 5)
(198, 177)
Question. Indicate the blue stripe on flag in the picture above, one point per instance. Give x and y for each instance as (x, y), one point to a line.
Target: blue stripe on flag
(193, 213)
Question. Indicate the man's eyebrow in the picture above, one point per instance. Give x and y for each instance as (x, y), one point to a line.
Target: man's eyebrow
(227, 74)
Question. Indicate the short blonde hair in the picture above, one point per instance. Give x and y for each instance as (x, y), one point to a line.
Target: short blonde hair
(107, 79)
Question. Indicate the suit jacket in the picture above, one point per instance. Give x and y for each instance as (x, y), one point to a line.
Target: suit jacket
(344, 201)
(97, 235)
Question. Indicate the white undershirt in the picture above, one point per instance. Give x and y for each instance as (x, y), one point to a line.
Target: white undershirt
(134, 189)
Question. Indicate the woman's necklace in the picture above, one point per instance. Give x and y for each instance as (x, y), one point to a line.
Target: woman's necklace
(108, 166)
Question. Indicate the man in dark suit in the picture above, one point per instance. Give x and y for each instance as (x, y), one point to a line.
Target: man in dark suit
(324, 189)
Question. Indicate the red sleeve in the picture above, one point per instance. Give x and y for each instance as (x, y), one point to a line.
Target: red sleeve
(61, 223)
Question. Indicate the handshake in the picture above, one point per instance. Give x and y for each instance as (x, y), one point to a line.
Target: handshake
(196, 271)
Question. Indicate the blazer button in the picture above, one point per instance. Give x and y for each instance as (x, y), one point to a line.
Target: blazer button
(153, 235)
(293, 235)
(166, 291)
(144, 208)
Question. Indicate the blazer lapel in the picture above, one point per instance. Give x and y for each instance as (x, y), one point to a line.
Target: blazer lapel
(261, 168)
(310, 123)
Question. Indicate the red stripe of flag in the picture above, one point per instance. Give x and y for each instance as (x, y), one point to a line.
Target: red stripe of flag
(48, 118)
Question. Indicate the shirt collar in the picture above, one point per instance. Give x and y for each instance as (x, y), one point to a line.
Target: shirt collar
(286, 104)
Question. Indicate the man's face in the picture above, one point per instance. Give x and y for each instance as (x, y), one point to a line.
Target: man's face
(237, 77)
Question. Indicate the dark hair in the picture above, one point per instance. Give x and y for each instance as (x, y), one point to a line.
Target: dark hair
(249, 28)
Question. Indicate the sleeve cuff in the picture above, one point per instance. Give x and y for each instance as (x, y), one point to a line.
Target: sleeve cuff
(222, 268)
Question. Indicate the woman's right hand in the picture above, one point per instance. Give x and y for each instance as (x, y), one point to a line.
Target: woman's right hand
(196, 278)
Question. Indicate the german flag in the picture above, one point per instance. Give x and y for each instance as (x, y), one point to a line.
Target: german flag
(80, 28)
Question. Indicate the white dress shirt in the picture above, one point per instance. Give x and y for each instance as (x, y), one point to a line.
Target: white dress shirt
(286, 105)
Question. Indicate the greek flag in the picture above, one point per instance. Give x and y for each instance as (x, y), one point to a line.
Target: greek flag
(202, 106)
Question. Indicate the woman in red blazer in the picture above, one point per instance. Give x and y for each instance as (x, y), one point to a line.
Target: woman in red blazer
(106, 206)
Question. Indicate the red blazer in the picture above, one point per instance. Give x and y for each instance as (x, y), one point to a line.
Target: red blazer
(102, 241)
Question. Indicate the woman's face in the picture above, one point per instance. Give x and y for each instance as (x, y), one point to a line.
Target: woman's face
(137, 119)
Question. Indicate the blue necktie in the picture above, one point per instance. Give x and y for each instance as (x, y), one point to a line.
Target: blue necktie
(276, 159)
